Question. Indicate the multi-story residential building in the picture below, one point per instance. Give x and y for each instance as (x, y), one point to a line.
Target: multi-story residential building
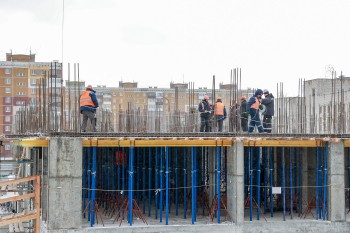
(21, 77)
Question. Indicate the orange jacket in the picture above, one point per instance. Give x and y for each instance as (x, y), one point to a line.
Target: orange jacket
(256, 104)
(219, 108)
(85, 100)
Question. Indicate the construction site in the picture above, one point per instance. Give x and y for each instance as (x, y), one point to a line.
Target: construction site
(151, 170)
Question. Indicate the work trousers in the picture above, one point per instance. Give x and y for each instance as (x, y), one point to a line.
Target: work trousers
(88, 115)
(205, 126)
(267, 123)
(255, 121)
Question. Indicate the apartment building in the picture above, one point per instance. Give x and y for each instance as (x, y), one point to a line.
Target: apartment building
(20, 79)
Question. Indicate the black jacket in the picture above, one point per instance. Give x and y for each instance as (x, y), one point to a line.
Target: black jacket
(204, 109)
(269, 103)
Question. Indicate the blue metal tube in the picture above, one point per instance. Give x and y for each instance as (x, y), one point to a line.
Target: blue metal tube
(156, 178)
(149, 180)
(317, 183)
(89, 181)
(218, 151)
(185, 182)
(167, 185)
(161, 186)
(325, 182)
(144, 180)
(258, 183)
(202, 177)
(193, 183)
(299, 184)
(271, 181)
(176, 182)
(349, 173)
(265, 178)
(251, 184)
(93, 186)
(131, 185)
(84, 179)
(284, 183)
(291, 182)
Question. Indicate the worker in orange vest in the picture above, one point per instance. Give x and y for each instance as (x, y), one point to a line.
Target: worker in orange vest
(88, 105)
(253, 106)
(219, 113)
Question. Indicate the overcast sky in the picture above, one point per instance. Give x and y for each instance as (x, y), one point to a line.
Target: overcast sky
(155, 42)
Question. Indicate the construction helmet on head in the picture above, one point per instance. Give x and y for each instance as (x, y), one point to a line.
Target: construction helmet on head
(219, 98)
(258, 92)
(266, 91)
(243, 97)
(206, 97)
(89, 86)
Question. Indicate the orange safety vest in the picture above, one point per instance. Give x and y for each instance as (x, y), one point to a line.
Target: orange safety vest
(256, 104)
(85, 99)
(219, 108)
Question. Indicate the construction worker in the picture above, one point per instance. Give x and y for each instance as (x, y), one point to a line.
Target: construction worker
(253, 106)
(88, 105)
(270, 110)
(204, 109)
(244, 114)
(219, 113)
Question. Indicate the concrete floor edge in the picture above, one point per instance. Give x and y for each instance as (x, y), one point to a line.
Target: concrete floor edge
(312, 226)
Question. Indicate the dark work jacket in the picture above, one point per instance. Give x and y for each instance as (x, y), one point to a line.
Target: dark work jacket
(204, 109)
(269, 103)
(244, 112)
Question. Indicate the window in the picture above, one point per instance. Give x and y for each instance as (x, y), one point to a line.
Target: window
(7, 109)
(8, 81)
(20, 93)
(43, 72)
(7, 147)
(7, 71)
(19, 102)
(20, 84)
(20, 74)
(7, 100)
(33, 90)
(7, 128)
(33, 81)
(7, 118)
(33, 72)
(7, 90)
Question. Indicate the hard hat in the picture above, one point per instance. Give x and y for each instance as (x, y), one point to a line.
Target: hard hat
(258, 92)
(89, 86)
(219, 98)
(266, 91)
(206, 97)
(243, 97)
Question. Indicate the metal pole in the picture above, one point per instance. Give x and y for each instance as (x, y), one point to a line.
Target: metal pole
(193, 183)
(176, 183)
(251, 184)
(93, 187)
(265, 178)
(258, 183)
(271, 182)
(284, 183)
(166, 185)
(325, 183)
(185, 182)
(149, 180)
(317, 183)
(218, 151)
(291, 182)
(161, 186)
(144, 180)
(156, 178)
(130, 192)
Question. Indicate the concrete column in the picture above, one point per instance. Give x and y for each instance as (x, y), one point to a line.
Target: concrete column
(336, 194)
(65, 183)
(235, 182)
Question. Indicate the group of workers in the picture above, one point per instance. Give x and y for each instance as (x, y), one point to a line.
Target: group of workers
(251, 108)
(208, 113)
